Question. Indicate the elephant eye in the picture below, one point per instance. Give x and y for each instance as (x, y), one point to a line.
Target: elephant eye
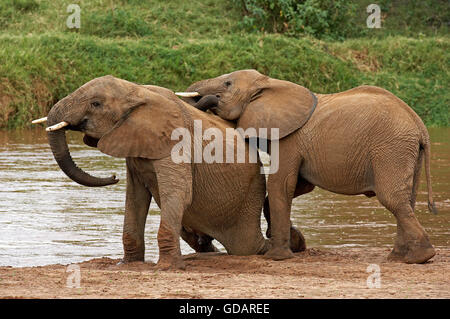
(95, 104)
(227, 83)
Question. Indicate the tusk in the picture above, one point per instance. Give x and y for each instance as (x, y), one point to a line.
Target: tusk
(187, 94)
(41, 120)
(56, 127)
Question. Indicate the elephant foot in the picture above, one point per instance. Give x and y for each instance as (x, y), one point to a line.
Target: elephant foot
(130, 259)
(198, 241)
(278, 253)
(297, 243)
(171, 263)
(419, 255)
(412, 255)
(396, 256)
(205, 245)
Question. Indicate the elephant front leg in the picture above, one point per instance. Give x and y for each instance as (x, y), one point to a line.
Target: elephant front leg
(137, 203)
(281, 187)
(169, 235)
(175, 193)
(297, 241)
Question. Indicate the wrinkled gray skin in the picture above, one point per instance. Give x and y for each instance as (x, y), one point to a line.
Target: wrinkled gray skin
(361, 141)
(198, 201)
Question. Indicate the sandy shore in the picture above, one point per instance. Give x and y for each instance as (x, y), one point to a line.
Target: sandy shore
(315, 273)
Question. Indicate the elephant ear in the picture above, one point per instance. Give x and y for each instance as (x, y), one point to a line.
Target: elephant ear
(145, 130)
(278, 104)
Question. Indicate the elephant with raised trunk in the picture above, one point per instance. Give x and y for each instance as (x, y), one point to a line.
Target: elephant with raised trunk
(361, 141)
(198, 201)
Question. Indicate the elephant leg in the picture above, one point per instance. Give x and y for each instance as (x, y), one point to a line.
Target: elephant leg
(201, 243)
(205, 244)
(169, 238)
(412, 244)
(172, 210)
(297, 241)
(175, 195)
(281, 188)
(396, 192)
(136, 209)
(400, 249)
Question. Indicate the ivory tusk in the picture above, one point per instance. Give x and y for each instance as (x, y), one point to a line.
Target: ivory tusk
(187, 94)
(56, 127)
(41, 120)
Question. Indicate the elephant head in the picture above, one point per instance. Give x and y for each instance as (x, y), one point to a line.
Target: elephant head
(121, 118)
(252, 99)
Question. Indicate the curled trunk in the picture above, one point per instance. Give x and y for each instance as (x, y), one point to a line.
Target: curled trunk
(58, 144)
(207, 102)
(60, 149)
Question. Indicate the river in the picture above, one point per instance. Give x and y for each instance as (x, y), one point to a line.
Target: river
(45, 218)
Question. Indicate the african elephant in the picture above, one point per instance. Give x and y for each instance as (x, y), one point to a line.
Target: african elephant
(361, 141)
(198, 200)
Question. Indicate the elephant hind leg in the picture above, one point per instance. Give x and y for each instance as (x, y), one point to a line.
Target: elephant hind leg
(412, 244)
(396, 192)
(200, 242)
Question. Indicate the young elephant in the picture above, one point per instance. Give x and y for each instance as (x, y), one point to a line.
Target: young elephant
(361, 141)
(198, 201)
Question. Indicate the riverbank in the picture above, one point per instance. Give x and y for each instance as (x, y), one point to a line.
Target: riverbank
(315, 273)
(173, 44)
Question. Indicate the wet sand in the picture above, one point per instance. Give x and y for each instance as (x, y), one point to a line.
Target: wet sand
(315, 273)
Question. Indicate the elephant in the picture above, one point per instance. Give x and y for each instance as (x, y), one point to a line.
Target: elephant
(199, 201)
(361, 141)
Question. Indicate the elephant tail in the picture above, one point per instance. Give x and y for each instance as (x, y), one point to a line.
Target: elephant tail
(426, 148)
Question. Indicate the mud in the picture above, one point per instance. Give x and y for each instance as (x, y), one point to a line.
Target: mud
(315, 273)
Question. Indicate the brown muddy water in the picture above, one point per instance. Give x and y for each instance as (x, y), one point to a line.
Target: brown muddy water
(45, 218)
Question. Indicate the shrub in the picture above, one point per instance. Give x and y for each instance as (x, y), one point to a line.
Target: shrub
(319, 18)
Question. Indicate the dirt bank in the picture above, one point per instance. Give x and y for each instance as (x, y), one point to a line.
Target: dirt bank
(315, 273)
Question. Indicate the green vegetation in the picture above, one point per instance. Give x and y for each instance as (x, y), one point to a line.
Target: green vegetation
(175, 42)
(343, 19)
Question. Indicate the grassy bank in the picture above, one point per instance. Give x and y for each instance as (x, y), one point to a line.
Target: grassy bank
(175, 42)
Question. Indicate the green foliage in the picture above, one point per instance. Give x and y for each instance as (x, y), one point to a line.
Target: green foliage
(20, 5)
(341, 19)
(319, 18)
(116, 22)
(417, 16)
(174, 43)
(9, 8)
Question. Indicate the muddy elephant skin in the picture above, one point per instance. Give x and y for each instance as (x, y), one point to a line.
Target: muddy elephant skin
(198, 201)
(361, 141)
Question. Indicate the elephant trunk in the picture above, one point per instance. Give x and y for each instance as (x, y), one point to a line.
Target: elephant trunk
(203, 101)
(207, 102)
(60, 149)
